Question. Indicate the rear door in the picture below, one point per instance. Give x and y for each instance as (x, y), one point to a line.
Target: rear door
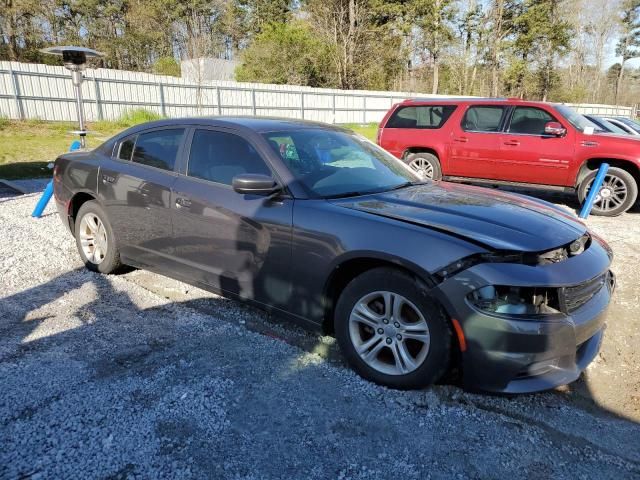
(416, 126)
(475, 142)
(135, 188)
(239, 244)
(529, 155)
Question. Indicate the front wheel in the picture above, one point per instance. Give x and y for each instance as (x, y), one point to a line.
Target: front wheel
(391, 332)
(617, 194)
(95, 240)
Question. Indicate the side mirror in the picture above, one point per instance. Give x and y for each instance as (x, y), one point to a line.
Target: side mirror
(555, 128)
(254, 184)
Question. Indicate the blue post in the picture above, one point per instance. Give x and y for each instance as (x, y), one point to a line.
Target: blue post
(48, 191)
(594, 190)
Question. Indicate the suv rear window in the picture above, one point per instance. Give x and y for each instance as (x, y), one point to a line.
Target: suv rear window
(483, 118)
(421, 116)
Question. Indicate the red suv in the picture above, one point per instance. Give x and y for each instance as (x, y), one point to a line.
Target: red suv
(513, 142)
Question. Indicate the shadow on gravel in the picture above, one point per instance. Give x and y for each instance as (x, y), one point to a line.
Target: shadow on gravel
(283, 404)
(108, 304)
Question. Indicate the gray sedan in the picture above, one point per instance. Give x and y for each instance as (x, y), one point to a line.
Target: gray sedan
(321, 226)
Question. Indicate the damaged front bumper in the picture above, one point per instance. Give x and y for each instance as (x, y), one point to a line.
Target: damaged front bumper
(518, 353)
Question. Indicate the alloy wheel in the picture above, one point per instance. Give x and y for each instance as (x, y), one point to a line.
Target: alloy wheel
(93, 238)
(612, 194)
(422, 167)
(389, 333)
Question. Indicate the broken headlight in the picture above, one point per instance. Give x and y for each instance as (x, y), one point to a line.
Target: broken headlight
(506, 300)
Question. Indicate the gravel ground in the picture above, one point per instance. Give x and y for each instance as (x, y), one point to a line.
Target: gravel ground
(140, 376)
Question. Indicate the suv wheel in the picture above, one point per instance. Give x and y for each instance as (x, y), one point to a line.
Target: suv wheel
(95, 240)
(425, 164)
(617, 194)
(390, 331)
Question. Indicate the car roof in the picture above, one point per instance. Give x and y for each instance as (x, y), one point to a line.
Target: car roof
(471, 100)
(257, 124)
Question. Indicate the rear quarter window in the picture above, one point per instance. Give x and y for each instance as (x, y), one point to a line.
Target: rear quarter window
(420, 116)
(158, 148)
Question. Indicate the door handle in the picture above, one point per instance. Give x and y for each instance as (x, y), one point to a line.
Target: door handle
(512, 143)
(183, 202)
(461, 139)
(108, 179)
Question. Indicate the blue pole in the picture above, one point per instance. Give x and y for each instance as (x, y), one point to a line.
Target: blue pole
(594, 190)
(48, 191)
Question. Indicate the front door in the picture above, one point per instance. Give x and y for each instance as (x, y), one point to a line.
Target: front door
(135, 188)
(528, 155)
(474, 143)
(238, 244)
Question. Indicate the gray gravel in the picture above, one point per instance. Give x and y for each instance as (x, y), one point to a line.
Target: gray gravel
(106, 377)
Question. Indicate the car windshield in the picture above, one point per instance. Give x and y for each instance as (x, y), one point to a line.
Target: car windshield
(332, 164)
(575, 119)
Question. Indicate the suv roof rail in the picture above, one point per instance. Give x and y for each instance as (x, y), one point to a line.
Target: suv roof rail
(457, 99)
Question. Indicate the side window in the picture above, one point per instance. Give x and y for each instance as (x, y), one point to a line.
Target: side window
(158, 148)
(126, 148)
(483, 118)
(220, 156)
(426, 116)
(529, 121)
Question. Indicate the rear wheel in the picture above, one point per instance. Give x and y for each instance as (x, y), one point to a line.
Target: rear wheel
(95, 240)
(425, 164)
(390, 331)
(617, 194)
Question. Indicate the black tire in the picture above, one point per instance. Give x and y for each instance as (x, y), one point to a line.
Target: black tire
(110, 261)
(436, 361)
(433, 170)
(611, 208)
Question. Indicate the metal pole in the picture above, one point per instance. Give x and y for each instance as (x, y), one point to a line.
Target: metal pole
(333, 107)
(163, 111)
(364, 110)
(76, 76)
(302, 105)
(594, 190)
(97, 94)
(253, 101)
(16, 92)
(219, 100)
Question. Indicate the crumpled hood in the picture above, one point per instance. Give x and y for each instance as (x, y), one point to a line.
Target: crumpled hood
(498, 220)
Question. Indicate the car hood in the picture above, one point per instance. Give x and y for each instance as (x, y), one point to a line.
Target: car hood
(494, 219)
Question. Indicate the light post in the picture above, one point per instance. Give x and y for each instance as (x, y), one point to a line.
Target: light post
(75, 60)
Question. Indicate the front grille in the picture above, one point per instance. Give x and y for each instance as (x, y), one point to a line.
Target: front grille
(576, 296)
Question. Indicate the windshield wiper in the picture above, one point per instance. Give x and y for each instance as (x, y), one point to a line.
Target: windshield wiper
(372, 192)
(405, 185)
(349, 194)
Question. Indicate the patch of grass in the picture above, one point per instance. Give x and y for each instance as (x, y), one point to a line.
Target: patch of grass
(369, 130)
(137, 116)
(27, 147)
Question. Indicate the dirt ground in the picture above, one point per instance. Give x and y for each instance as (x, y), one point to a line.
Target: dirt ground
(140, 376)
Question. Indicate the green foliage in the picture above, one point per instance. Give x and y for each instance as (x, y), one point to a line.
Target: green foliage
(4, 122)
(167, 66)
(286, 54)
(137, 116)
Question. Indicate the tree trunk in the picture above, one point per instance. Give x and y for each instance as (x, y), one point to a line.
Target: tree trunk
(619, 81)
(436, 75)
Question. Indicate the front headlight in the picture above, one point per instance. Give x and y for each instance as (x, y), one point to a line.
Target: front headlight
(506, 300)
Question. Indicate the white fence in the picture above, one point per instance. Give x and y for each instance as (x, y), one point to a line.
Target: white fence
(29, 91)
